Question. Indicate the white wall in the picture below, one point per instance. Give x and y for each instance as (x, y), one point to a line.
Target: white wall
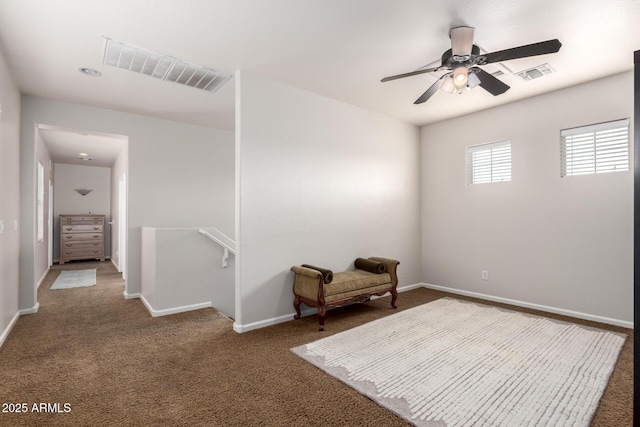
(67, 201)
(9, 199)
(148, 266)
(564, 243)
(319, 182)
(179, 175)
(182, 270)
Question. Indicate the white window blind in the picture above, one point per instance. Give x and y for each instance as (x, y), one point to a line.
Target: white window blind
(40, 208)
(489, 163)
(599, 148)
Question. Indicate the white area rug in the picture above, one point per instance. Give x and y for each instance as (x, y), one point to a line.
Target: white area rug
(75, 279)
(455, 363)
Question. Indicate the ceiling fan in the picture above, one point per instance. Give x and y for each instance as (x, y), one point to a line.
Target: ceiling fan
(463, 62)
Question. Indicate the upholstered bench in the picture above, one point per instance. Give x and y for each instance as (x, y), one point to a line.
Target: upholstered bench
(348, 286)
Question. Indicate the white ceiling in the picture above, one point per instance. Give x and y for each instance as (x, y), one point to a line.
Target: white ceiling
(66, 145)
(337, 48)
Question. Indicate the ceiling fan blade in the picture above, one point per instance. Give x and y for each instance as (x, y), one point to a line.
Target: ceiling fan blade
(433, 89)
(412, 73)
(490, 83)
(541, 48)
(461, 41)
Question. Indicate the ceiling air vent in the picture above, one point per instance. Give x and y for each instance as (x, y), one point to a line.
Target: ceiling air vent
(535, 72)
(139, 60)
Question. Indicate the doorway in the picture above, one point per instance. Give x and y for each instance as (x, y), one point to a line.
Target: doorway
(86, 170)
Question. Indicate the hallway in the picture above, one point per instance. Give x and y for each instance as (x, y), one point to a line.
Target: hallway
(95, 350)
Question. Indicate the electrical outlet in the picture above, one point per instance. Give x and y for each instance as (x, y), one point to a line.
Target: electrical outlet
(485, 275)
(1, 226)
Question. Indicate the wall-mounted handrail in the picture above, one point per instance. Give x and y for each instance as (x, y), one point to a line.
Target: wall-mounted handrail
(222, 239)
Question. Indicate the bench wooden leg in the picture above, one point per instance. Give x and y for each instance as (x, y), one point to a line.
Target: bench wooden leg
(296, 305)
(321, 315)
(394, 297)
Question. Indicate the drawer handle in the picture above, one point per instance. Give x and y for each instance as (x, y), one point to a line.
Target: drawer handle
(69, 228)
(68, 245)
(69, 237)
(95, 236)
(95, 252)
(96, 244)
(96, 228)
(69, 253)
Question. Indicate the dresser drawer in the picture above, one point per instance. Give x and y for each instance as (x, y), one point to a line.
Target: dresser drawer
(82, 253)
(88, 220)
(72, 237)
(85, 228)
(79, 244)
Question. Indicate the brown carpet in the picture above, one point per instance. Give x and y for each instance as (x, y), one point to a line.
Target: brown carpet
(116, 365)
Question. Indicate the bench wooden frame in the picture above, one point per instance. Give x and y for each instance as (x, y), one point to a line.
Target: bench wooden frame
(306, 279)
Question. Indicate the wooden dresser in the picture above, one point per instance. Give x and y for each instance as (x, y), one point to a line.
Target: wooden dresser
(81, 237)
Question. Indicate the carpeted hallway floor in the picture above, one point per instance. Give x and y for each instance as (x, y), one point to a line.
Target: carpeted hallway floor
(116, 365)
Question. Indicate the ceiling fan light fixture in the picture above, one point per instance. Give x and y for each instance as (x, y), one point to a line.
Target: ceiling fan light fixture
(460, 77)
(472, 81)
(448, 85)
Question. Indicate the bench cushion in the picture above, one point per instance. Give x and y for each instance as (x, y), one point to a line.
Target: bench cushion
(353, 282)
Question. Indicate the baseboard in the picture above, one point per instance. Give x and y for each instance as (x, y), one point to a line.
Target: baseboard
(8, 329)
(173, 310)
(57, 261)
(402, 289)
(548, 309)
(273, 321)
(239, 328)
(32, 310)
(114, 264)
(42, 278)
(131, 296)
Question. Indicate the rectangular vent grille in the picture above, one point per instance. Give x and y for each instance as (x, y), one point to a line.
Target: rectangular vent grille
(535, 72)
(139, 60)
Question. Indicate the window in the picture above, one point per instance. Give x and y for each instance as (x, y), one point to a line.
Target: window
(40, 208)
(598, 148)
(489, 163)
